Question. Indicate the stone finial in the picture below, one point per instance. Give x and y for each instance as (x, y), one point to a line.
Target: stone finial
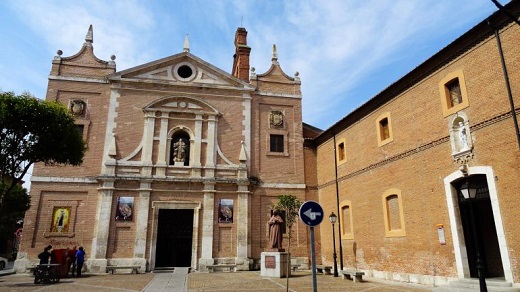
(112, 151)
(297, 76)
(186, 44)
(89, 38)
(112, 61)
(275, 54)
(58, 55)
(242, 157)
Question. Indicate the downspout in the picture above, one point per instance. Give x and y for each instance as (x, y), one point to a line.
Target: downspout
(508, 85)
(337, 205)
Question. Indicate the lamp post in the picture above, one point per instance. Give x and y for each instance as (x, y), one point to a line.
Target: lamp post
(332, 218)
(469, 195)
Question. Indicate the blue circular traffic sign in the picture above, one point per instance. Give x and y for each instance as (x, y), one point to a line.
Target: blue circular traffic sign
(311, 213)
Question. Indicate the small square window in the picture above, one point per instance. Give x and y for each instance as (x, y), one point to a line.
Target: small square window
(276, 143)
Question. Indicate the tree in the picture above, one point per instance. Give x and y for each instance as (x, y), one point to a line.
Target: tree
(33, 130)
(16, 202)
(289, 205)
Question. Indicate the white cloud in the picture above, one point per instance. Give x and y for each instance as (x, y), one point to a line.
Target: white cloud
(336, 45)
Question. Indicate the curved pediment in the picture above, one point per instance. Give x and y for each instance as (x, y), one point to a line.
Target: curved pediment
(181, 104)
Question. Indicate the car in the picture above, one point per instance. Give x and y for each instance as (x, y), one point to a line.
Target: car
(3, 263)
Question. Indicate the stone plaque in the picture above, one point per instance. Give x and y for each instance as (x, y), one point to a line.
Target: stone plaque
(270, 262)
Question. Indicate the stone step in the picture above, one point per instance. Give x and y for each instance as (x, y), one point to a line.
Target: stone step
(471, 285)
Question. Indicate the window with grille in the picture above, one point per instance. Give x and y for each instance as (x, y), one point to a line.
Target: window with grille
(276, 143)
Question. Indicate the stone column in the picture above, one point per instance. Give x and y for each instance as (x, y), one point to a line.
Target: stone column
(142, 225)
(211, 150)
(148, 132)
(163, 141)
(98, 260)
(243, 248)
(207, 226)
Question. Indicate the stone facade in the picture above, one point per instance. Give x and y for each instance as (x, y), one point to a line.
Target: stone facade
(403, 157)
(140, 198)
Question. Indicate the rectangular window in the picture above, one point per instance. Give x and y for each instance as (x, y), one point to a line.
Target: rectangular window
(276, 143)
(393, 213)
(455, 95)
(384, 129)
(341, 151)
(347, 225)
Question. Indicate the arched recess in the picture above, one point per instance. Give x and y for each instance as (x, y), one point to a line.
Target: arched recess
(456, 226)
(185, 135)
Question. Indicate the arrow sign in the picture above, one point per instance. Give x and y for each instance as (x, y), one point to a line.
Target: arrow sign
(311, 213)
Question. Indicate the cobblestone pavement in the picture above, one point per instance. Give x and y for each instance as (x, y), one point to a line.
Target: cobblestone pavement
(300, 281)
(126, 282)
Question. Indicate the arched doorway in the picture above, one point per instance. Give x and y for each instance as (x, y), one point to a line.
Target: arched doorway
(478, 226)
(490, 230)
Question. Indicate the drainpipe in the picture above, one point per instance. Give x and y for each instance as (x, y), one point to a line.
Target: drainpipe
(508, 85)
(337, 206)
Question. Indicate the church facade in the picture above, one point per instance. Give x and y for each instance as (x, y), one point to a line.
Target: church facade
(183, 162)
(408, 158)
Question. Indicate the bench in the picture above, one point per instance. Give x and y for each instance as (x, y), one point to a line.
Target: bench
(135, 269)
(356, 276)
(228, 267)
(32, 270)
(323, 269)
(294, 267)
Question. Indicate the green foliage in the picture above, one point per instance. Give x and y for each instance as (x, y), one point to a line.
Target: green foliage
(16, 202)
(290, 205)
(33, 130)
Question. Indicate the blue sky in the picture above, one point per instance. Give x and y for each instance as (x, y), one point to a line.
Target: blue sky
(345, 51)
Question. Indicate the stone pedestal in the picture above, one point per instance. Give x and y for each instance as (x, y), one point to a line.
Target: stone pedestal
(274, 264)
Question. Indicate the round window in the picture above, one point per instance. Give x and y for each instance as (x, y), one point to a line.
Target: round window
(185, 71)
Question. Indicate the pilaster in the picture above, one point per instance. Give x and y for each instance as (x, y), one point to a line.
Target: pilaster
(142, 219)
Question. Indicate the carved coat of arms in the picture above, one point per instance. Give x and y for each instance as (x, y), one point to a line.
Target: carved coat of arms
(276, 119)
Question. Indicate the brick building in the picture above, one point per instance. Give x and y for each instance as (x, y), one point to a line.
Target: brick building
(404, 156)
(183, 162)
(393, 169)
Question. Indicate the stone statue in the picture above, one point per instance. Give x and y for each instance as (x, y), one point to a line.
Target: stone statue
(275, 231)
(463, 137)
(179, 151)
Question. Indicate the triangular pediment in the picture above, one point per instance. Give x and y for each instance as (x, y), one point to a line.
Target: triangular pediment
(181, 69)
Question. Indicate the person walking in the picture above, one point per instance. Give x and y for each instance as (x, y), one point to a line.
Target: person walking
(71, 260)
(80, 259)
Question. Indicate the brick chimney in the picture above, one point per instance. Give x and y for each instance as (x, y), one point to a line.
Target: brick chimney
(241, 57)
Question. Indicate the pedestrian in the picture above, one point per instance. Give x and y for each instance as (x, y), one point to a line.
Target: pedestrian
(80, 259)
(71, 260)
(45, 255)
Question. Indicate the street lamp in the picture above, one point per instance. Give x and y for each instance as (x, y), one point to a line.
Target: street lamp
(332, 218)
(469, 195)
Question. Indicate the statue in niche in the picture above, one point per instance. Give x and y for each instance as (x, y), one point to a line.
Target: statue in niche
(463, 137)
(179, 151)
